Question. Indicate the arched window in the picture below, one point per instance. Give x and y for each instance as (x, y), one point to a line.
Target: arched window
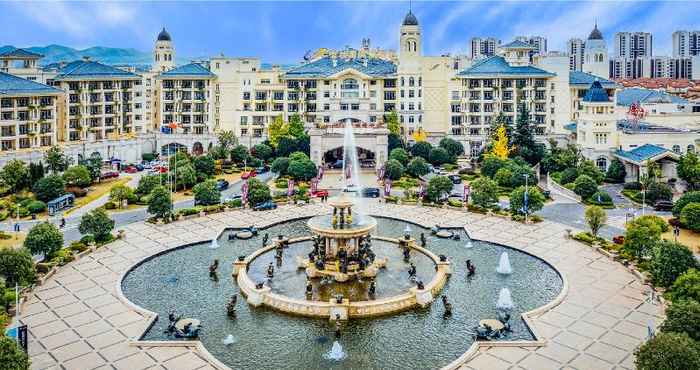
(157, 57)
(411, 81)
(403, 81)
(349, 88)
(676, 149)
(420, 81)
(691, 148)
(602, 163)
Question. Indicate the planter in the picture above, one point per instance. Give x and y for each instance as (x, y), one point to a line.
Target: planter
(202, 213)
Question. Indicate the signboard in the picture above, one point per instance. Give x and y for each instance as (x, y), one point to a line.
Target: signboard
(244, 192)
(290, 187)
(387, 187)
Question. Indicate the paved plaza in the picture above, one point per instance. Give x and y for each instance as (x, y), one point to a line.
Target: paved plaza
(78, 320)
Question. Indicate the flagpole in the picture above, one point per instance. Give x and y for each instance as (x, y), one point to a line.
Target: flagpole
(526, 196)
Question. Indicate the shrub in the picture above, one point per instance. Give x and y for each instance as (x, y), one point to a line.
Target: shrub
(44, 238)
(205, 193)
(439, 156)
(235, 203)
(668, 351)
(455, 202)
(280, 165)
(568, 176)
(77, 176)
(669, 261)
(453, 147)
(301, 169)
(147, 183)
(62, 257)
(393, 169)
(585, 186)
(535, 200)
(616, 172)
(518, 174)
(258, 192)
(36, 206)
(635, 185)
(595, 218)
(589, 169)
(78, 246)
(438, 187)
(643, 233)
(503, 177)
(400, 155)
(16, 175)
(601, 197)
(422, 149)
(491, 165)
(683, 317)
(98, 224)
(417, 167)
(686, 286)
(484, 192)
(685, 199)
(690, 216)
(658, 191)
(109, 205)
(585, 237)
(17, 266)
(120, 193)
(11, 355)
(49, 188)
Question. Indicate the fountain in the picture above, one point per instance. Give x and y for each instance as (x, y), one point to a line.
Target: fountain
(504, 265)
(228, 340)
(214, 244)
(505, 302)
(469, 245)
(336, 353)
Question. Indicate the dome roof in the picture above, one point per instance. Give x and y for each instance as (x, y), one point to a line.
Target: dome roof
(595, 34)
(164, 35)
(410, 19)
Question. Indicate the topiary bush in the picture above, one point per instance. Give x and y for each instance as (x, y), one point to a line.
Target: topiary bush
(686, 286)
(684, 200)
(690, 216)
(36, 206)
(668, 351)
(600, 198)
(683, 317)
(585, 186)
(669, 261)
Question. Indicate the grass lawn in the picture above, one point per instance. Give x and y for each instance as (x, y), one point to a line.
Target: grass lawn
(96, 191)
(687, 237)
(16, 240)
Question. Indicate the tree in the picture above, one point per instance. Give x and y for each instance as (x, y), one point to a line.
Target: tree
(280, 165)
(438, 187)
(558, 159)
(227, 140)
(658, 191)
(500, 121)
(439, 156)
(421, 149)
(239, 153)
(394, 141)
(668, 351)
(206, 193)
(417, 167)
(98, 224)
(683, 317)
(147, 183)
(523, 138)
(298, 156)
(585, 186)
(595, 218)
(503, 177)
(218, 152)
(258, 192)
(400, 155)
(500, 148)
(160, 202)
(518, 174)
(684, 200)
(569, 175)
(17, 266)
(120, 193)
(186, 176)
(49, 188)
(295, 127)
(56, 160)
(686, 286)
(262, 152)
(15, 174)
(484, 192)
(642, 235)
(616, 172)
(392, 123)
(301, 169)
(453, 147)
(669, 261)
(276, 130)
(690, 216)
(93, 164)
(12, 356)
(589, 169)
(535, 200)
(77, 176)
(204, 166)
(491, 165)
(688, 169)
(36, 171)
(393, 169)
(44, 238)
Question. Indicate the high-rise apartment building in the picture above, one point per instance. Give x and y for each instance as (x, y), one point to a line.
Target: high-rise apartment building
(633, 45)
(575, 48)
(686, 44)
(484, 47)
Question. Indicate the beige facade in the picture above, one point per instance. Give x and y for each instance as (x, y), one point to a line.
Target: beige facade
(28, 121)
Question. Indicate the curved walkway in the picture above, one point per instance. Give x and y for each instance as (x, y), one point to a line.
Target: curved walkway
(77, 321)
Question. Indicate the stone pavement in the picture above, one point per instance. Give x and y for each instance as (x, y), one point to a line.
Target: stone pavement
(78, 321)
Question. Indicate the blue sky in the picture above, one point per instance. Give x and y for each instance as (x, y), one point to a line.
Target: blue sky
(282, 31)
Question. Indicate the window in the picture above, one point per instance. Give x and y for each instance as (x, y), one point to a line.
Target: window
(676, 149)
(389, 95)
(373, 93)
(411, 93)
(246, 95)
(343, 106)
(349, 88)
(326, 94)
(411, 81)
(691, 148)
(601, 138)
(326, 106)
(602, 163)
(278, 95)
(355, 106)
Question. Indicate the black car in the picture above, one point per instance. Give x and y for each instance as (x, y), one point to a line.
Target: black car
(265, 206)
(221, 184)
(456, 179)
(370, 192)
(663, 205)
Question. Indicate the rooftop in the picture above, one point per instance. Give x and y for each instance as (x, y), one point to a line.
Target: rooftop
(189, 70)
(517, 44)
(596, 93)
(586, 79)
(324, 67)
(410, 19)
(20, 53)
(627, 97)
(642, 153)
(595, 34)
(164, 35)
(13, 85)
(86, 69)
(497, 65)
(631, 127)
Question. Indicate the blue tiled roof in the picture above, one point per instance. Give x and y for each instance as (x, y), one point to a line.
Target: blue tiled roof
(20, 53)
(626, 97)
(586, 79)
(642, 153)
(571, 126)
(517, 44)
(13, 85)
(82, 69)
(497, 65)
(192, 69)
(596, 94)
(324, 67)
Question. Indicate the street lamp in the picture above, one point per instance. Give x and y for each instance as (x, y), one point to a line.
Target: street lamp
(525, 196)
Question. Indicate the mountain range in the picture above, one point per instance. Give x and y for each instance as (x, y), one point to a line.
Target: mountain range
(57, 53)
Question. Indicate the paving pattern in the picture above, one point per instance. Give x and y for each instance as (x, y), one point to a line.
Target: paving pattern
(77, 320)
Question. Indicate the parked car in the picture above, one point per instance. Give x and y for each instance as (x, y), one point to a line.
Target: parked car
(265, 206)
(663, 205)
(321, 193)
(232, 198)
(456, 179)
(131, 169)
(337, 164)
(139, 167)
(247, 175)
(109, 175)
(370, 192)
(262, 169)
(352, 189)
(221, 184)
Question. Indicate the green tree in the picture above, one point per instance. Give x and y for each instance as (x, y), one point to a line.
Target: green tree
(17, 266)
(120, 193)
(535, 200)
(239, 153)
(56, 160)
(44, 238)
(690, 216)
(689, 170)
(595, 218)
(569, 175)
(642, 235)
(686, 286)
(11, 356)
(499, 121)
(523, 138)
(503, 177)
(277, 129)
(683, 317)
(669, 261)
(288, 145)
(36, 171)
(439, 156)
(262, 152)
(453, 147)
(438, 187)
(186, 176)
(93, 164)
(392, 123)
(147, 183)
(589, 169)
(393, 169)
(668, 351)
(585, 186)
(227, 140)
(296, 127)
(15, 174)
(205, 193)
(258, 192)
(49, 188)
(616, 172)
(301, 168)
(417, 167)
(160, 203)
(77, 176)
(658, 191)
(684, 200)
(218, 152)
(298, 156)
(280, 165)
(518, 174)
(558, 159)
(98, 224)
(484, 192)
(394, 141)
(400, 155)
(422, 149)
(205, 166)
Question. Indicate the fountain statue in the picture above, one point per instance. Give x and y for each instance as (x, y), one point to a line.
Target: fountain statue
(336, 353)
(469, 244)
(504, 265)
(214, 244)
(505, 302)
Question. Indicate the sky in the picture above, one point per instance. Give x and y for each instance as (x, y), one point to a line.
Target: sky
(281, 32)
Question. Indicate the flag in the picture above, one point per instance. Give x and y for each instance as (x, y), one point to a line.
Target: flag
(320, 172)
(525, 198)
(244, 192)
(467, 191)
(387, 187)
(381, 172)
(314, 185)
(290, 187)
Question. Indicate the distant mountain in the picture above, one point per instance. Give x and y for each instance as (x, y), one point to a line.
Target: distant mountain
(59, 53)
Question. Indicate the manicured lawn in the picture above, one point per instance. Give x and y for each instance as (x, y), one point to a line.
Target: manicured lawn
(95, 191)
(15, 241)
(687, 237)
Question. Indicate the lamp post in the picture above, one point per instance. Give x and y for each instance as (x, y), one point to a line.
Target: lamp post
(525, 196)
